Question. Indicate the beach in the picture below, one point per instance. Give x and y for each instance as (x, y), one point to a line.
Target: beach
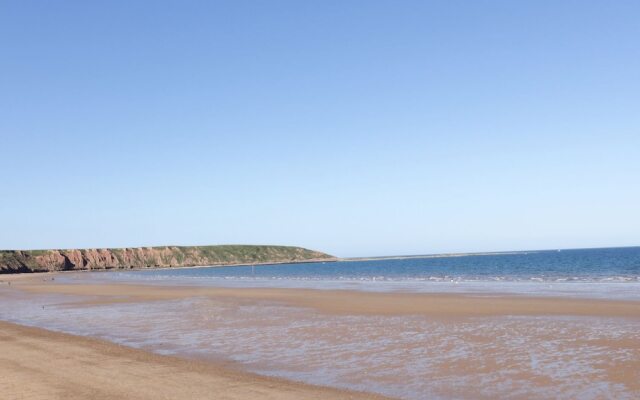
(348, 302)
(40, 364)
(303, 343)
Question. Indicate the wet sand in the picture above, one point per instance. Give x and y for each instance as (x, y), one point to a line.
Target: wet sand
(347, 302)
(402, 344)
(40, 364)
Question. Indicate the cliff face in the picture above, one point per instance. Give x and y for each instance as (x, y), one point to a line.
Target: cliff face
(12, 261)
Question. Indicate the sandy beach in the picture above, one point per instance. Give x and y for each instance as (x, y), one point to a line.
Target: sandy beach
(404, 345)
(40, 364)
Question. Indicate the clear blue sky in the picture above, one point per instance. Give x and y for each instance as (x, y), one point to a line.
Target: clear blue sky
(353, 127)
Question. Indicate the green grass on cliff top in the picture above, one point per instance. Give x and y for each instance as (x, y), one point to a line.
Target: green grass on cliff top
(220, 252)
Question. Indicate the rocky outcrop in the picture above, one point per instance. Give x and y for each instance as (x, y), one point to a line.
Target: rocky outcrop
(13, 261)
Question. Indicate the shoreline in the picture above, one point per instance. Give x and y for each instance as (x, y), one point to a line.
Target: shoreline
(477, 253)
(43, 364)
(329, 259)
(4, 274)
(44, 260)
(443, 255)
(343, 302)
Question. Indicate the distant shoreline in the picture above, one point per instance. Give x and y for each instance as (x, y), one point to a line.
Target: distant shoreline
(477, 253)
(312, 257)
(444, 255)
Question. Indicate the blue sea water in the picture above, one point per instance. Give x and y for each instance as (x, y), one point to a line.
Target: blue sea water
(607, 272)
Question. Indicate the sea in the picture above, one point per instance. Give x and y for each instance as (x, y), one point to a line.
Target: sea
(595, 273)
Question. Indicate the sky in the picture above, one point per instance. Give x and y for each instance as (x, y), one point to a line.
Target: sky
(358, 128)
